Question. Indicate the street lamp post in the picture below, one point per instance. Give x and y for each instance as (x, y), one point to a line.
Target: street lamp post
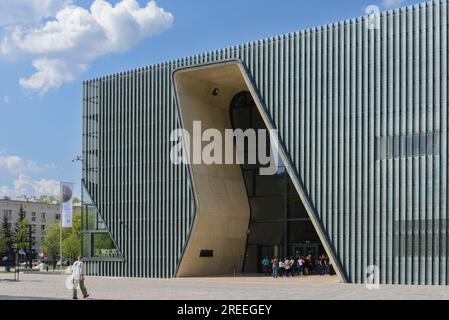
(17, 266)
(30, 246)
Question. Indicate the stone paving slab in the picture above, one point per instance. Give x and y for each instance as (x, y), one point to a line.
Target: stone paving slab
(37, 287)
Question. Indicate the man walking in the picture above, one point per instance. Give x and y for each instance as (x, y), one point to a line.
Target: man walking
(78, 278)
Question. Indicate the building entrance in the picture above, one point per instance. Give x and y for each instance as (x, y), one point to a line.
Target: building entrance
(279, 224)
(302, 250)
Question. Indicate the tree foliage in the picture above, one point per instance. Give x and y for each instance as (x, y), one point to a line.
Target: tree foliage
(6, 238)
(72, 243)
(21, 240)
(54, 199)
(48, 199)
(50, 243)
(71, 247)
(3, 245)
(21, 235)
(71, 240)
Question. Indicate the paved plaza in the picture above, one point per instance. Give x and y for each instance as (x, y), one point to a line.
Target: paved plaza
(52, 286)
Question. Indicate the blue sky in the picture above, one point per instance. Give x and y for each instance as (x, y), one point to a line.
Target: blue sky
(41, 88)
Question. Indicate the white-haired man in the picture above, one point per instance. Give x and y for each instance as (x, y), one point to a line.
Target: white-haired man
(78, 278)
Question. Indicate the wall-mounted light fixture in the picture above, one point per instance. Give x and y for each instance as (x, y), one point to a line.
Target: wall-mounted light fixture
(216, 92)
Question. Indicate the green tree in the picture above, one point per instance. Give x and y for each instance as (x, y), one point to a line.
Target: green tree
(6, 235)
(48, 199)
(76, 224)
(21, 231)
(21, 237)
(71, 240)
(76, 200)
(6, 238)
(71, 247)
(51, 242)
(19, 219)
(72, 243)
(3, 246)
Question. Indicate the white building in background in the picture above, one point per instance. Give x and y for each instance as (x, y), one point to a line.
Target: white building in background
(39, 215)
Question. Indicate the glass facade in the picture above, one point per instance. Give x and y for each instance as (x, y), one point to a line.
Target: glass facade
(413, 145)
(279, 224)
(336, 93)
(96, 240)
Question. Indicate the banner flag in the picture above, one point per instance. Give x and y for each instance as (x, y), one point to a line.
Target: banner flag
(66, 204)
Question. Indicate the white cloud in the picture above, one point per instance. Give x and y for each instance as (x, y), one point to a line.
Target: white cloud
(14, 165)
(25, 185)
(18, 171)
(51, 73)
(28, 11)
(392, 3)
(5, 192)
(62, 48)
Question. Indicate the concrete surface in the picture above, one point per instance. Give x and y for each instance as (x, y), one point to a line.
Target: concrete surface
(222, 207)
(40, 286)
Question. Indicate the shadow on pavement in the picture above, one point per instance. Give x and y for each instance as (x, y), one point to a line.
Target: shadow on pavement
(20, 280)
(29, 298)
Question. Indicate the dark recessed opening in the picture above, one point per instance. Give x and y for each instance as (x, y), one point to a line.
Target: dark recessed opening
(279, 224)
(206, 253)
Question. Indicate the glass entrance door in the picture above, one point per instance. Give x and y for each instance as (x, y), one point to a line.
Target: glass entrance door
(304, 249)
(255, 254)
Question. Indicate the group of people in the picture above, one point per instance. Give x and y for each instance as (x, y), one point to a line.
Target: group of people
(300, 266)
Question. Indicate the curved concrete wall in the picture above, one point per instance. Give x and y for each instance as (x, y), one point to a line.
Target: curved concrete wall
(222, 208)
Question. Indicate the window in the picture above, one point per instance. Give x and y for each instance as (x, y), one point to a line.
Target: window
(33, 219)
(103, 246)
(396, 146)
(390, 147)
(436, 144)
(96, 242)
(422, 144)
(410, 151)
(33, 214)
(43, 216)
(43, 228)
(429, 143)
(58, 216)
(8, 214)
(399, 146)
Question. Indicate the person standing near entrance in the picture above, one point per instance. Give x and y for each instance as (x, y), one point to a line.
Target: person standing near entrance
(274, 267)
(308, 265)
(324, 265)
(300, 266)
(287, 266)
(78, 278)
(292, 266)
(266, 266)
(281, 267)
